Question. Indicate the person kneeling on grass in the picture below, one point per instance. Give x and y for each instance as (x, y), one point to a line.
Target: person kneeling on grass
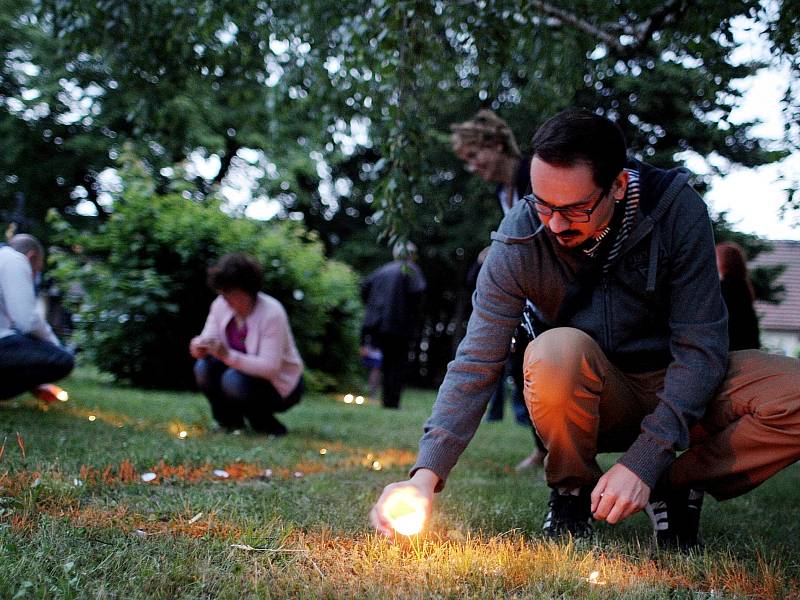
(619, 257)
(30, 353)
(247, 363)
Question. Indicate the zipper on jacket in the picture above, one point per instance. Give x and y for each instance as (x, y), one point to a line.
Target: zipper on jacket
(606, 315)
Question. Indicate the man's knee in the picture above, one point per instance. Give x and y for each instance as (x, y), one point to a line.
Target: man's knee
(772, 383)
(63, 364)
(554, 362)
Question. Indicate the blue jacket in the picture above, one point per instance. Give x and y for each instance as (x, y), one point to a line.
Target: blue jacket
(658, 306)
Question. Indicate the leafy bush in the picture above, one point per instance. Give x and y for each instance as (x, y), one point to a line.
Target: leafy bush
(142, 292)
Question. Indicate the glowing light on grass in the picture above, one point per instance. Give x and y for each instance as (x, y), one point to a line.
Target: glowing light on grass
(406, 511)
(49, 393)
(182, 435)
(92, 418)
(594, 578)
(376, 465)
(323, 451)
(348, 398)
(359, 399)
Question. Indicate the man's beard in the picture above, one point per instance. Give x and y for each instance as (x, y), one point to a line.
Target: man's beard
(568, 237)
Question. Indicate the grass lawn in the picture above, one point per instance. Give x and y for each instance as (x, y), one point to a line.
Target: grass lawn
(78, 521)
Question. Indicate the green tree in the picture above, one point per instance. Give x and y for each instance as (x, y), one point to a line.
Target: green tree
(346, 105)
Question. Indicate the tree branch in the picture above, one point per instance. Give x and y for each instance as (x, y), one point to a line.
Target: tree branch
(580, 24)
(666, 15)
(662, 17)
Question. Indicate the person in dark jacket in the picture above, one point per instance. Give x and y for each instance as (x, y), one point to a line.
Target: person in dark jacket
(392, 298)
(738, 294)
(619, 258)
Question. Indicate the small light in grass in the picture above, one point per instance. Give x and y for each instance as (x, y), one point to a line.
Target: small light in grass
(405, 510)
(594, 578)
(49, 393)
(323, 451)
(376, 465)
(92, 418)
(359, 399)
(182, 435)
(348, 399)
(149, 476)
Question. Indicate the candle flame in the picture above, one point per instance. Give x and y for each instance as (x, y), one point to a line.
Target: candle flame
(359, 399)
(405, 510)
(182, 434)
(62, 395)
(323, 451)
(92, 417)
(594, 578)
(348, 399)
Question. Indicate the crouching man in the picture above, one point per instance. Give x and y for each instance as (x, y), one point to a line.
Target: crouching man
(30, 353)
(619, 257)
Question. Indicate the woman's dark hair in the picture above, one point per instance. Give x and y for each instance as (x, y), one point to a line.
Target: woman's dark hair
(236, 271)
(578, 136)
(733, 264)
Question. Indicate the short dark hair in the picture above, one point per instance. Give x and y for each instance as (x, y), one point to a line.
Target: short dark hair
(578, 136)
(236, 271)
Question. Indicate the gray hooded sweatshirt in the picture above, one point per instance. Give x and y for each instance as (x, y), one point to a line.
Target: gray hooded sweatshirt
(657, 306)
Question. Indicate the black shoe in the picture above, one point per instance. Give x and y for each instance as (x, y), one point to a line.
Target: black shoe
(271, 426)
(675, 515)
(569, 514)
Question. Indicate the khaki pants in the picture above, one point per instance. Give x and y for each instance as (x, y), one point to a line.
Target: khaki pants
(582, 405)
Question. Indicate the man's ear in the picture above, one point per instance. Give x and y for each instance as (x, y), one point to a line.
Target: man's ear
(620, 185)
(37, 261)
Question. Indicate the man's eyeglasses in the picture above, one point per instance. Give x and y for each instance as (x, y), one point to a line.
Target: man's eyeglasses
(573, 215)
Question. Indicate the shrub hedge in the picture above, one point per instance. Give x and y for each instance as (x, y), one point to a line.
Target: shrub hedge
(139, 291)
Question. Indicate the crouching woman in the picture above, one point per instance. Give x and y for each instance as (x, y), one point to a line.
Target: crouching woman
(247, 362)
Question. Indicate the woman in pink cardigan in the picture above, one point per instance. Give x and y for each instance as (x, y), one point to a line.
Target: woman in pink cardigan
(247, 362)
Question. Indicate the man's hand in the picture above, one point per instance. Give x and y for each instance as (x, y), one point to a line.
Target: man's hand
(421, 485)
(198, 348)
(618, 494)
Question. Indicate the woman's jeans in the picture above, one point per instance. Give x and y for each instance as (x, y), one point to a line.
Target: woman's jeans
(235, 396)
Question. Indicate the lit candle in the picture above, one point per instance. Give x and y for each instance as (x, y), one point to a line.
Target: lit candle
(405, 510)
(182, 434)
(348, 399)
(92, 417)
(49, 393)
(359, 399)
